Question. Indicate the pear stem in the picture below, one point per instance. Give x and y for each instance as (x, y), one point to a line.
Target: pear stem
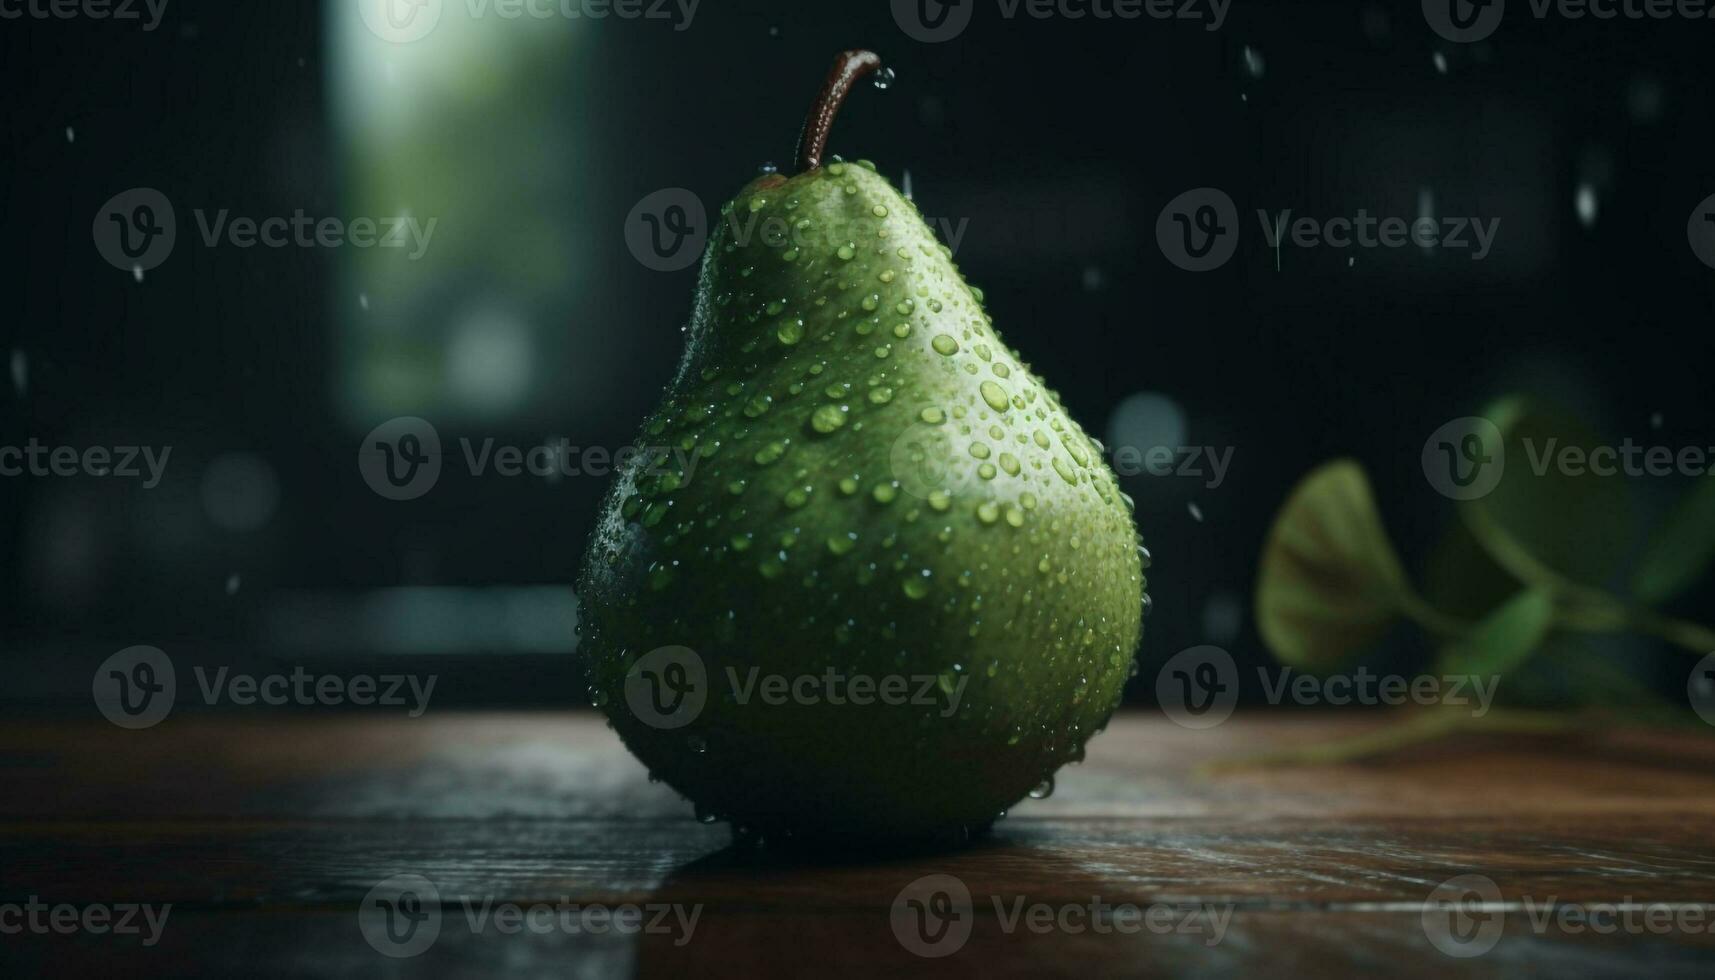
(848, 68)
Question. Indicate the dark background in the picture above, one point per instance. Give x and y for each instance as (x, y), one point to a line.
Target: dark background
(1059, 140)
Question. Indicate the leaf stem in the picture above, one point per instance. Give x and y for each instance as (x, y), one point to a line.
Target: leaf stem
(1419, 611)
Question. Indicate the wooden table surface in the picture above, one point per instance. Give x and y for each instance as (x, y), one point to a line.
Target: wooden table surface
(266, 834)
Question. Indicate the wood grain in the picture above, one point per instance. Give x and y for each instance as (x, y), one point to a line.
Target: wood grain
(266, 832)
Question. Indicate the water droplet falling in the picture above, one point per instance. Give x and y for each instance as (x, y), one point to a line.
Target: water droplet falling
(233, 582)
(1196, 511)
(1440, 61)
(71, 135)
(1426, 212)
(1585, 202)
(884, 78)
(1253, 62)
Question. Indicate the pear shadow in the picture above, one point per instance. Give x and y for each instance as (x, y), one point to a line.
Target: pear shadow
(789, 910)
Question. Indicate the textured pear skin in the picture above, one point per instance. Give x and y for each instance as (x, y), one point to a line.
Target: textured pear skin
(881, 488)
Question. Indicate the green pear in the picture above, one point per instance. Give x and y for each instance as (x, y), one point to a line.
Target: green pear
(875, 583)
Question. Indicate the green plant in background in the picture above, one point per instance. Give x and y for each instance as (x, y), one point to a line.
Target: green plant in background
(1518, 585)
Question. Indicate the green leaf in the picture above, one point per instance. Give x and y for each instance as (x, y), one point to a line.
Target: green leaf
(1461, 578)
(1503, 639)
(1680, 549)
(1330, 581)
(1549, 518)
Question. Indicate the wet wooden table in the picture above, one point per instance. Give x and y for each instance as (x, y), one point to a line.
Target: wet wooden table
(533, 845)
